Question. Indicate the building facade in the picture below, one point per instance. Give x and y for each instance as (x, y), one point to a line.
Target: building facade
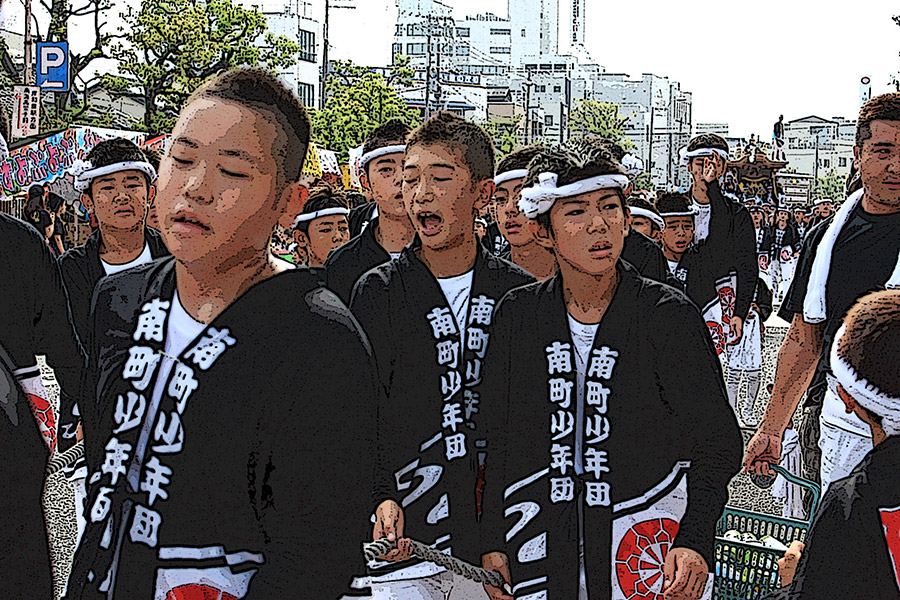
(814, 145)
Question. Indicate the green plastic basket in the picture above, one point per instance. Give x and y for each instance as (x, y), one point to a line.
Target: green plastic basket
(746, 571)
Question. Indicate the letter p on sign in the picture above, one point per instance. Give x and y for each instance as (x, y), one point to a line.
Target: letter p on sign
(53, 66)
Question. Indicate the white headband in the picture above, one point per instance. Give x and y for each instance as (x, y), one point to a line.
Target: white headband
(814, 306)
(325, 212)
(687, 156)
(866, 394)
(633, 165)
(538, 199)
(378, 153)
(510, 175)
(85, 172)
(823, 201)
(648, 214)
(691, 212)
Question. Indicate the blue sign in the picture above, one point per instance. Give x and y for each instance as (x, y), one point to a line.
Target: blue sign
(53, 66)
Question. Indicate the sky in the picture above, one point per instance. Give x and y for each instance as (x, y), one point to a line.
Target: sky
(744, 62)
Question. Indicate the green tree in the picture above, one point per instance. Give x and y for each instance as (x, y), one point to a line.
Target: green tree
(599, 118)
(830, 186)
(644, 181)
(171, 47)
(359, 99)
(504, 131)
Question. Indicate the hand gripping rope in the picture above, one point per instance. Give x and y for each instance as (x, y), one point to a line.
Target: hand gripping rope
(378, 548)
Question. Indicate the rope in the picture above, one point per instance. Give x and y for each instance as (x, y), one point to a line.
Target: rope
(66, 459)
(378, 548)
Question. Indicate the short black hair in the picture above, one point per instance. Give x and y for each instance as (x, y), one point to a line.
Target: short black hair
(54, 201)
(263, 92)
(36, 191)
(573, 161)
(321, 197)
(518, 159)
(610, 146)
(387, 134)
(872, 337)
(708, 140)
(885, 107)
(673, 202)
(115, 150)
(475, 144)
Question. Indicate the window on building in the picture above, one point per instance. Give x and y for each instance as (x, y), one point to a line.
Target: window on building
(546, 67)
(307, 94)
(826, 163)
(500, 32)
(462, 32)
(462, 50)
(542, 88)
(557, 89)
(499, 49)
(415, 49)
(411, 29)
(523, 33)
(842, 161)
(307, 46)
(531, 67)
(559, 68)
(396, 49)
(548, 120)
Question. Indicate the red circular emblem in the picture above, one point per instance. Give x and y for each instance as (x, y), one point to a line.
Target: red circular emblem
(718, 336)
(726, 298)
(43, 412)
(641, 557)
(196, 591)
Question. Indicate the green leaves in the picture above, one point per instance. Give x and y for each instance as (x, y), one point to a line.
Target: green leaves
(599, 118)
(504, 132)
(831, 185)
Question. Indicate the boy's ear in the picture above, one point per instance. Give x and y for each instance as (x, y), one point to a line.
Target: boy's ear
(297, 195)
(87, 201)
(364, 182)
(485, 191)
(541, 234)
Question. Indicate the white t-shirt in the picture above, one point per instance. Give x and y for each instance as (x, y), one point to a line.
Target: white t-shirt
(701, 221)
(396, 255)
(143, 259)
(457, 291)
(583, 337)
(673, 265)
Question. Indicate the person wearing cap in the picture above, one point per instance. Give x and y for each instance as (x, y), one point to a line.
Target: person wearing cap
(800, 222)
(524, 251)
(822, 209)
(387, 229)
(604, 407)
(770, 211)
(322, 226)
(852, 549)
(723, 232)
(784, 249)
(644, 218)
(854, 252)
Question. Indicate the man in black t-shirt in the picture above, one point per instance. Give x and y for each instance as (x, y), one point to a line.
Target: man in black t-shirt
(851, 254)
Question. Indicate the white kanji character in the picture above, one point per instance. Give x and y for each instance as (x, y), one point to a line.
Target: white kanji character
(477, 341)
(114, 462)
(442, 322)
(595, 461)
(171, 436)
(562, 489)
(151, 320)
(602, 362)
(451, 413)
(451, 383)
(559, 358)
(596, 493)
(481, 310)
(561, 458)
(140, 365)
(471, 401)
(102, 504)
(182, 385)
(561, 424)
(455, 446)
(596, 394)
(596, 429)
(68, 431)
(473, 371)
(561, 392)
(448, 353)
(156, 475)
(211, 345)
(145, 526)
(129, 411)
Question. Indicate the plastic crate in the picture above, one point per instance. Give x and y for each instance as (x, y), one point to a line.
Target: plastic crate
(746, 571)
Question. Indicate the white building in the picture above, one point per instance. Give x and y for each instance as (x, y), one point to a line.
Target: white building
(816, 145)
(716, 128)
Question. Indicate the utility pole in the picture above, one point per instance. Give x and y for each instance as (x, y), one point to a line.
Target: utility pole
(528, 85)
(29, 65)
(324, 77)
(428, 68)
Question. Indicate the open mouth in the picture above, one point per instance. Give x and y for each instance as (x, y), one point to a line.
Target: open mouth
(188, 223)
(429, 223)
(601, 250)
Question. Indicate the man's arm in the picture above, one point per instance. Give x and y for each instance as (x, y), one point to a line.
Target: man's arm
(797, 360)
(745, 262)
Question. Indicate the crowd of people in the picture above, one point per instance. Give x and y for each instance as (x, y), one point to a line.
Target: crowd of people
(531, 393)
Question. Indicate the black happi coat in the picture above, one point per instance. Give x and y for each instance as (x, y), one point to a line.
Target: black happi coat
(730, 247)
(345, 265)
(81, 271)
(789, 241)
(360, 217)
(661, 413)
(398, 305)
(646, 256)
(853, 546)
(263, 438)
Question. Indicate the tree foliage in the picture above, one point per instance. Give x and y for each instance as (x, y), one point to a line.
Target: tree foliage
(358, 100)
(171, 47)
(504, 132)
(831, 186)
(599, 118)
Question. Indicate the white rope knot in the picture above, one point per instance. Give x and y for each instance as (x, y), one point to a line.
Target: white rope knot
(539, 198)
(686, 156)
(633, 165)
(85, 172)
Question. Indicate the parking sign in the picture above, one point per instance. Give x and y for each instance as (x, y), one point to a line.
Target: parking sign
(53, 66)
